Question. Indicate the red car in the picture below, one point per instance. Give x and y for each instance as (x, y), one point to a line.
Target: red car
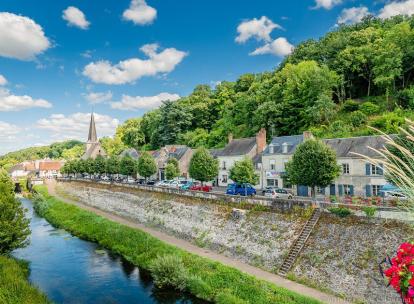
(199, 187)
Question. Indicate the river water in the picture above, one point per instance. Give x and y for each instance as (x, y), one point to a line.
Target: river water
(70, 270)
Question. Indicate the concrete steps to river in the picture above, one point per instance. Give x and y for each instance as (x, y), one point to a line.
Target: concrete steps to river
(300, 242)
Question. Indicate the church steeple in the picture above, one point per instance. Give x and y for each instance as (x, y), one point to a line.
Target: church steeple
(92, 136)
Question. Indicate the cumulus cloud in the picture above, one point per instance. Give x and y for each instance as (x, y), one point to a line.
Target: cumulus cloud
(76, 125)
(3, 80)
(279, 47)
(139, 12)
(21, 37)
(98, 97)
(397, 8)
(143, 102)
(75, 17)
(352, 15)
(326, 4)
(259, 29)
(10, 102)
(132, 69)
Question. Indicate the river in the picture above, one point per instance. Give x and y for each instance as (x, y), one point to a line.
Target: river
(70, 270)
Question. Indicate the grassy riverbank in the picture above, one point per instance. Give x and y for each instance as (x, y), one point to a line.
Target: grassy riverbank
(14, 286)
(205, 279)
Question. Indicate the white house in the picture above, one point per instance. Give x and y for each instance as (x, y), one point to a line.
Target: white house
(236, 150)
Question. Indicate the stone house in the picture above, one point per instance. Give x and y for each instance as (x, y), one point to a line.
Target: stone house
(358, 177)
(236, 150)
(50, 168)
(181, 153)
(274, 158)
(22, 169)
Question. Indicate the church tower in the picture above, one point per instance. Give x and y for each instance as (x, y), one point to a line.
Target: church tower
(93, 146)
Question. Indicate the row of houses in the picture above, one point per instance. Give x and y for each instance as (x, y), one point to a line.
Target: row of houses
(358, 177)
(44, 168)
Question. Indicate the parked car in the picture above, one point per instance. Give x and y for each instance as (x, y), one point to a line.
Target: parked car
(186, 185)
(394, 195)
(130, 180)
(150, 182)
(105, 178)
(278, 193)
(241, 189)
(163, 183)
(198, 187)
(268, 188)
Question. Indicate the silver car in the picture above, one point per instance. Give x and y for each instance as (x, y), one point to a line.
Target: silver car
(278, 193)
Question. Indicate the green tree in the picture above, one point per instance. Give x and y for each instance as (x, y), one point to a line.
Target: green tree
(313, 164)
(203, 166)
(100, 165)
(146, 165)
(73, 153)
(131, 134)
(171, 171)
(127, 166)
(243, 172)
(112, 165)
(14, 226)
(113, 146)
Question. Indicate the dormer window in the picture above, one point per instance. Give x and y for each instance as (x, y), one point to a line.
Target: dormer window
(271, 149)
(285, 148)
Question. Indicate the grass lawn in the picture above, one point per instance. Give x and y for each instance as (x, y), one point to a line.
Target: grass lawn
(14, 287)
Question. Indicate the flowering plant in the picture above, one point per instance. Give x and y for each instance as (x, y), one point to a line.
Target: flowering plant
(400, 274)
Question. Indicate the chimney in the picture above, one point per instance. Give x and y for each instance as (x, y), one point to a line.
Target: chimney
(230, 137)
(261, 140)
(307, 135)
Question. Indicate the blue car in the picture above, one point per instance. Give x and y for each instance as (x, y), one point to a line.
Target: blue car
(241, 189)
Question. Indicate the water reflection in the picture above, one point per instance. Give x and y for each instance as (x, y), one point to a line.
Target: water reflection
(70, 270)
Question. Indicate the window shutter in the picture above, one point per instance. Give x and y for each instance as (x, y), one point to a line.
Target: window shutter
(351, 189)
(332, 189)
(368, 190)
(341, 189)
(368, 169)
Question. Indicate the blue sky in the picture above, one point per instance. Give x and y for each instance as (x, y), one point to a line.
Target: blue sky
(58, 59)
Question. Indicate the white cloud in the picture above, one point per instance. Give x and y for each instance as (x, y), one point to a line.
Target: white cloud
(76, 126)
(279, 47)
(397, 8)
(21, 37)
(87, 54)
(139, 12)
(75, 17)
(326, 4)
(98, 97)
(10, 102)
(3, 80)
(132, 69)
(352, 15)
(8, 131)
(256, 28)
(143, 102)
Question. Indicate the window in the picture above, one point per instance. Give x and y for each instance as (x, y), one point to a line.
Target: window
(320, 190)
(348, 190)
(224, 179)
(223, 165)
(272, 164)
(375, 170)
(345, 168)
(376, 190)
(272, 182)
(271, 149)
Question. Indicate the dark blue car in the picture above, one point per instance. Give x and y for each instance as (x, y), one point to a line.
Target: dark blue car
(241, 189)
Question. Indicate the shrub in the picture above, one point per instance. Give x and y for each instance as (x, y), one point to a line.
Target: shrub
(369, 211)
(389, 122)
(369, 108)
(357, 119)
(350, 106)
(169, 271)
(340, 211)
(228, 298)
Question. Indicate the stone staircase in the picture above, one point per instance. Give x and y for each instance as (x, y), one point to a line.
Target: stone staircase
(300, 242)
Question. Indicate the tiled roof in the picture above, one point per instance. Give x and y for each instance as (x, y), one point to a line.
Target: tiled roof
(131, 152)
(277, 143)
(50, 165)
(215, 152)
(345, 147)
(237, 147)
